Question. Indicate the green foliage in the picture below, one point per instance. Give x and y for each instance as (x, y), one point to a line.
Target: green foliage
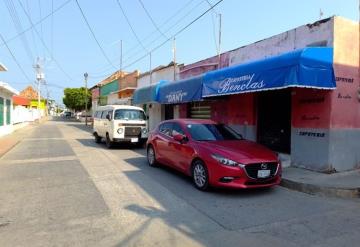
(75, 98)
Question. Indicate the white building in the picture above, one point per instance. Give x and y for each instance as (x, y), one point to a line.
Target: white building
(145, 83)
(6, 105)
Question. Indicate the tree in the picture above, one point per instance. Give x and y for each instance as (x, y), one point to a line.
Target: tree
(74, 98)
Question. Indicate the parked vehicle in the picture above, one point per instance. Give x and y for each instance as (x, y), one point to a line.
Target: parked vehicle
(120, 123)
(212, 154)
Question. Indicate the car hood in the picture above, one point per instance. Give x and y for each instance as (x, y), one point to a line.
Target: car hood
(241, 151)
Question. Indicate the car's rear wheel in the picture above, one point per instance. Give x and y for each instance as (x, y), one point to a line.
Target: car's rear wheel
(109, 144)
(200, 175)
(97, 138)
(151, 158)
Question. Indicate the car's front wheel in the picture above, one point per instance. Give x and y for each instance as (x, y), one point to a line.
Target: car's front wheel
(200, 175)
(97, 138)
(151, 158)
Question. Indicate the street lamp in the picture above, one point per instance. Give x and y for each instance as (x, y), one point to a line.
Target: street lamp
(86, 98)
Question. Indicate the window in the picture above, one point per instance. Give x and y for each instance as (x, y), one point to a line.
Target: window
(1, 111)
(103, 114)
(129, 114)
(212, 132)
(110, 114)
(166, 128)
(176, 130)
(8, 111)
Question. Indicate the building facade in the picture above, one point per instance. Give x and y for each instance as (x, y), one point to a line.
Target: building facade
(318, 129)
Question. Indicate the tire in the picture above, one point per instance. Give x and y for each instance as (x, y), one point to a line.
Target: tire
(109, 144)
(97, 138)
(151, 157)
(200, 175)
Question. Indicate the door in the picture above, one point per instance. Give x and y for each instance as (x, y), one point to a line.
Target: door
(169, 112)
(180, 153)
(274, 120)
(162, 144)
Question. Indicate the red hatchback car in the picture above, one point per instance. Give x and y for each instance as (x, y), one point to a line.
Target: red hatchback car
(212, 154)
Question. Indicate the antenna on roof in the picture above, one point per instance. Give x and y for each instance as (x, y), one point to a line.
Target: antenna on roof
(321, 14)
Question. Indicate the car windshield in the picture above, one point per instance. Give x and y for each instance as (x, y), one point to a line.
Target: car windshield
(212, 132)
(129, 114)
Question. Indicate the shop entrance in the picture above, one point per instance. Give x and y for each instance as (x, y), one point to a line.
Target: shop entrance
(274, 120)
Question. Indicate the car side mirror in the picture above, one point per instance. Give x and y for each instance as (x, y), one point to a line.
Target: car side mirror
(180, 138)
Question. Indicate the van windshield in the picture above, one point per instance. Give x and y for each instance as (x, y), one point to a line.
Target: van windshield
(129, 114)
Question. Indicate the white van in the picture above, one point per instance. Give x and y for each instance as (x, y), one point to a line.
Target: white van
(120, 123)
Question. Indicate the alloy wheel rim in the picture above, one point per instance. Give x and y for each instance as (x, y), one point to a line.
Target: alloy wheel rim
(199, 175)
(151, 155)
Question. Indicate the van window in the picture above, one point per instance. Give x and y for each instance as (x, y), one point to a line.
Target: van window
(98, 114)
(103, 114)
(129, 114)
(111, 114)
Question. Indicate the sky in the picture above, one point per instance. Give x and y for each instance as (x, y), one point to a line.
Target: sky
(56, 32)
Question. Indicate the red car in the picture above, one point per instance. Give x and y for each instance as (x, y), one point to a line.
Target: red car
(212, 154)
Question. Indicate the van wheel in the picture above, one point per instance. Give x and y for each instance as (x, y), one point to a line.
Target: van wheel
(109, 144)
(97, 138)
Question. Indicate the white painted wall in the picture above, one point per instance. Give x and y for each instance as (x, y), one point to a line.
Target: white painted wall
(6, 128)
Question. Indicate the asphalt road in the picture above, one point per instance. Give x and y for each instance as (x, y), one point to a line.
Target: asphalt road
(59, 188)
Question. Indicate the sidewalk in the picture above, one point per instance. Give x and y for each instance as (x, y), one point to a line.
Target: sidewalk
(9, 141)
(345, 184)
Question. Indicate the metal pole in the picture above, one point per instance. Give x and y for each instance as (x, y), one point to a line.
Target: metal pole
(219, 65)
(150, 70)
(86, 96)
(174, 59)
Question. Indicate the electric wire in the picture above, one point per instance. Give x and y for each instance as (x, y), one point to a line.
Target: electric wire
(131, 27)
(93, 34)
(177, 33)
(158, 37)
(15, 60)
(151, 19)
(36, 23)
(18, 26)
(32, 31)
(44, 44)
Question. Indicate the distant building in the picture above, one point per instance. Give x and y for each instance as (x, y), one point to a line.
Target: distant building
(31, 94)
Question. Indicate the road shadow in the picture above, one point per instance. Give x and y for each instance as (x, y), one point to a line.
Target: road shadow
(117, 146)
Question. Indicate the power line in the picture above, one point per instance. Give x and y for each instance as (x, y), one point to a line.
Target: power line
(17, 23)
(158, 37)
(177, 33)
(44, 44)
(151, 19)
(36, 23)
(14, 58)
(93, 34)
(131, 27)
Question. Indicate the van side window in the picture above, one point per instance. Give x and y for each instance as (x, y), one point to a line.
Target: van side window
(111, 114)
(97, 114)
(103, 114)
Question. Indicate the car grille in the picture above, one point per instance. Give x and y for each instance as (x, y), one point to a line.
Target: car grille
(132, 131)
(252, 169)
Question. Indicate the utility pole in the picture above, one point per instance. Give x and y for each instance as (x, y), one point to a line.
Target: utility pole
(219, 51)
(150, 69)
(86, 96)
(174, 57)
(39, 78)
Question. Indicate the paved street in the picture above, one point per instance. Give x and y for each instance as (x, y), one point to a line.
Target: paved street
(59, 188)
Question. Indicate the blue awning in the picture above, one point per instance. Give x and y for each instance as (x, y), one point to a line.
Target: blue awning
(148, 94)
(309, 68)
(181, 91)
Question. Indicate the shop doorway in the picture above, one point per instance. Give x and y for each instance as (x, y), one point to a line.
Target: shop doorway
(169, 112)
(274, 120)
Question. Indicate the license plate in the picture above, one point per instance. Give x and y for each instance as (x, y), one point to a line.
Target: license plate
(134, 139)
(263, 173)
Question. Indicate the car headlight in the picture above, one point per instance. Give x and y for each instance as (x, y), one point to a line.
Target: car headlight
(120, 131)
(225, 161)
(144, 130)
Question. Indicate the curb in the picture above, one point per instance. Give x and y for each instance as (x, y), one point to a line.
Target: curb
(321, 190)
